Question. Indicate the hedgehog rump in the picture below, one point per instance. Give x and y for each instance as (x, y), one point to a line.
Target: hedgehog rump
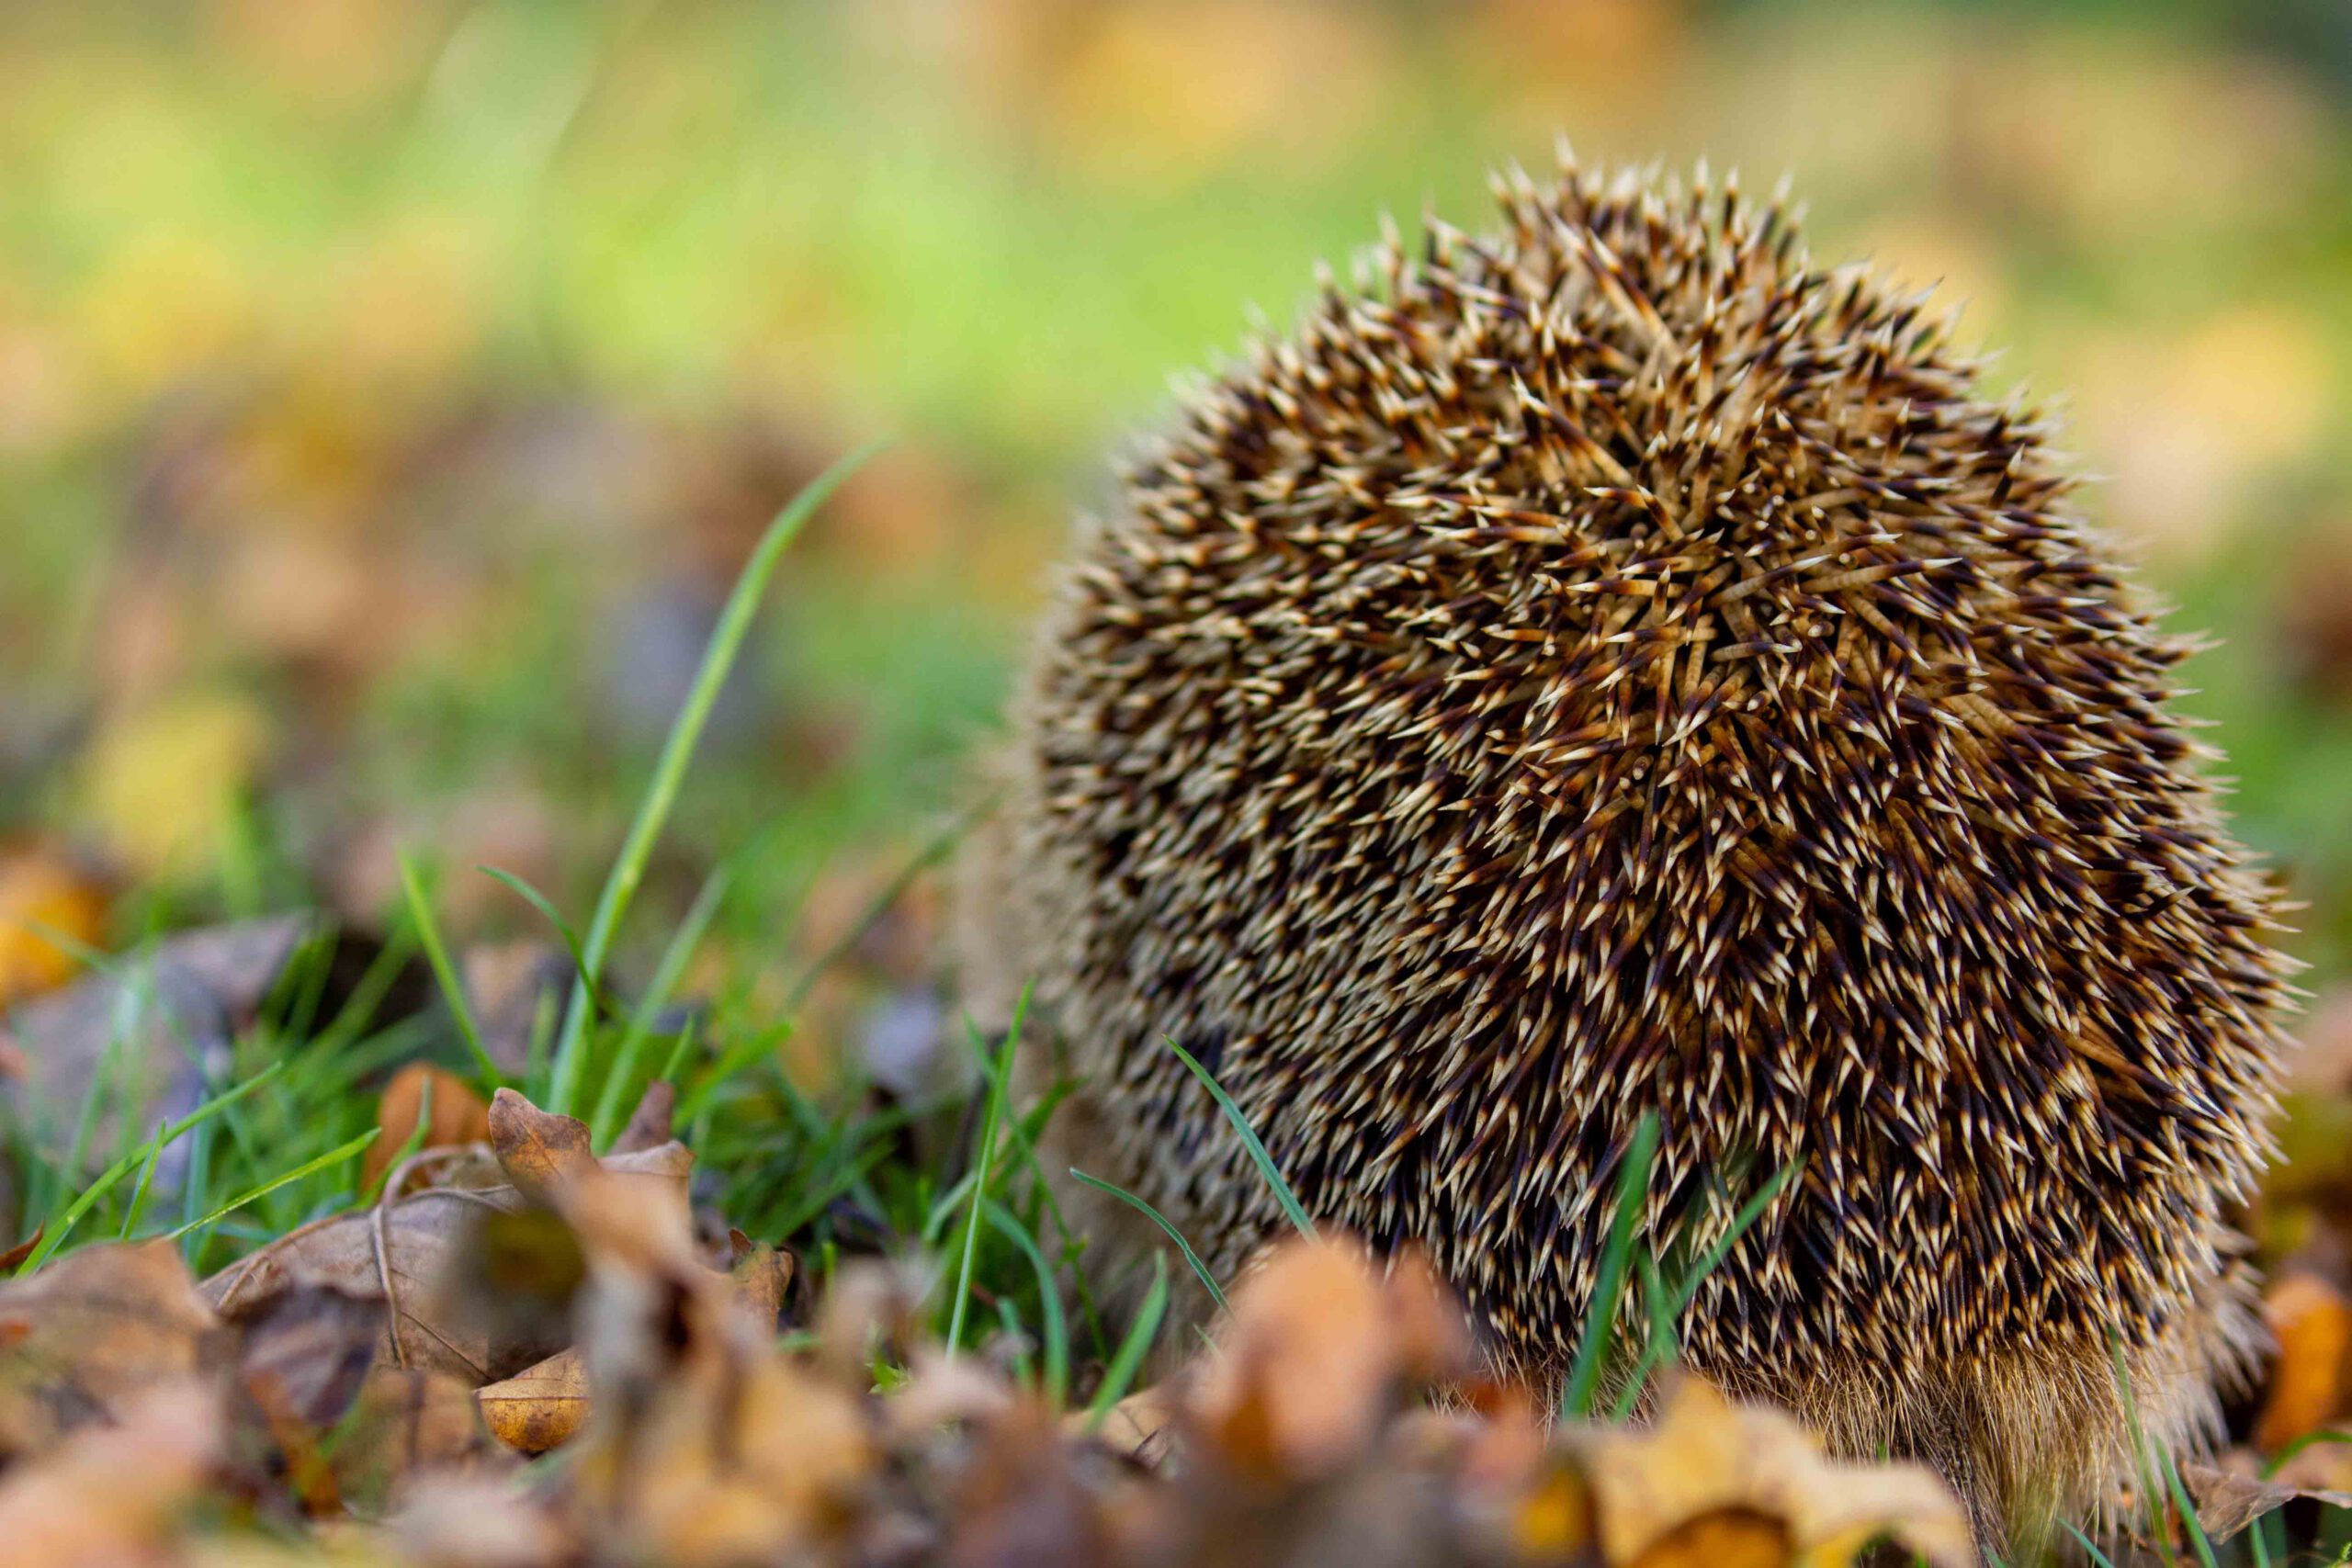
(1613, 666)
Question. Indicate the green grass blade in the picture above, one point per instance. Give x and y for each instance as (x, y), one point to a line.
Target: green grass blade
(1121, 1374)
(1601, 1314)
(139, 1188)
(999, 1081)
(342, 1152)
(2143, 1462)
(436, 953)
(2190, 1522)
(1749, 1212)
(1049, 1299)
(669, 771)
(1657, 1352)
(2099, 1559)
(1250, 1140)
(547, 911)
(1165, 1223)
(2278, 1462)
(613, 1105)
(89, 1196)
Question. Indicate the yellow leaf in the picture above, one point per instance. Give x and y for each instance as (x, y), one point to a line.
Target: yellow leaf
(162, 782)
(40, 893)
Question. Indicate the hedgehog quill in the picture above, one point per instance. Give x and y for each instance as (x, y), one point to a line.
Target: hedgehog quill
(1612, 665)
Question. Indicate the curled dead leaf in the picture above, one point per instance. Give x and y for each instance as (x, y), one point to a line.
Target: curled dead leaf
(537, 1149)
(1707, 1457)
(2233, 1494)
(457, 1116)
(1319, 1350)
(1141, 1427)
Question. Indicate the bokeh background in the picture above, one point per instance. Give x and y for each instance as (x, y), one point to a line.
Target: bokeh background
(390, 388)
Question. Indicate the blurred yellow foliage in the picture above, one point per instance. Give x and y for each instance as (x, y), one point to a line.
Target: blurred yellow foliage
(40, 893)
(1170, 91)
(161, 782)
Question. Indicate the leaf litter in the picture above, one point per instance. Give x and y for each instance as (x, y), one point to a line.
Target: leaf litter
(523, 1354)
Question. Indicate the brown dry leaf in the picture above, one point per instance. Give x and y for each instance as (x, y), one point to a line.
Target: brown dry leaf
(1319, 1350)
(402, 1254)
(459, 1116)
(111, 1495)
(740, 1463)
(23, 1249)
(546, 1405)
(649, 1124)
(2314, 1325)
(91, 1333)
(538, 1150)
(41, 892)
(405, 1424)
(477, 1279)
(303, 1362)
(702, 1446)
(186, 997)
(762, 1276)
(540, 1406)
(1141, 1427)
(467, 1521)
(1708, 1458)
(2233, 1494)
(1553, 1521)
(1021, 1502)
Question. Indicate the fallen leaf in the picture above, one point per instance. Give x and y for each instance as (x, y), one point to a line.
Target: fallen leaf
(478, 1280)
(762, 1276)
(90, 1334)
(40, 893)
(186, 998)
(1021, 1501)
(2229, 1500)
(162, 781)
(1319, 1350)
(404, 1424)
(732, 1462)
(403, 1254)
(459, 1116)
(539, 1406)
(1141, 1427)
(23, 1249)
(649, 1124)
(1727, 1537)
(468, 1522)
(1706, 1457)
(539, 1151)
(2314, 1325)
(110, 1495)
(310, 1349)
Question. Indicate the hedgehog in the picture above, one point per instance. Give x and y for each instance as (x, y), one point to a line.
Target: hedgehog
(1614, 668)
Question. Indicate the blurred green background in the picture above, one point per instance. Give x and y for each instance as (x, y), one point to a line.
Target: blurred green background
(389, 389)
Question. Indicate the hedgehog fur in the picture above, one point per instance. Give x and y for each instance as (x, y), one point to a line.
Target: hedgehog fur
(1611, 666)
